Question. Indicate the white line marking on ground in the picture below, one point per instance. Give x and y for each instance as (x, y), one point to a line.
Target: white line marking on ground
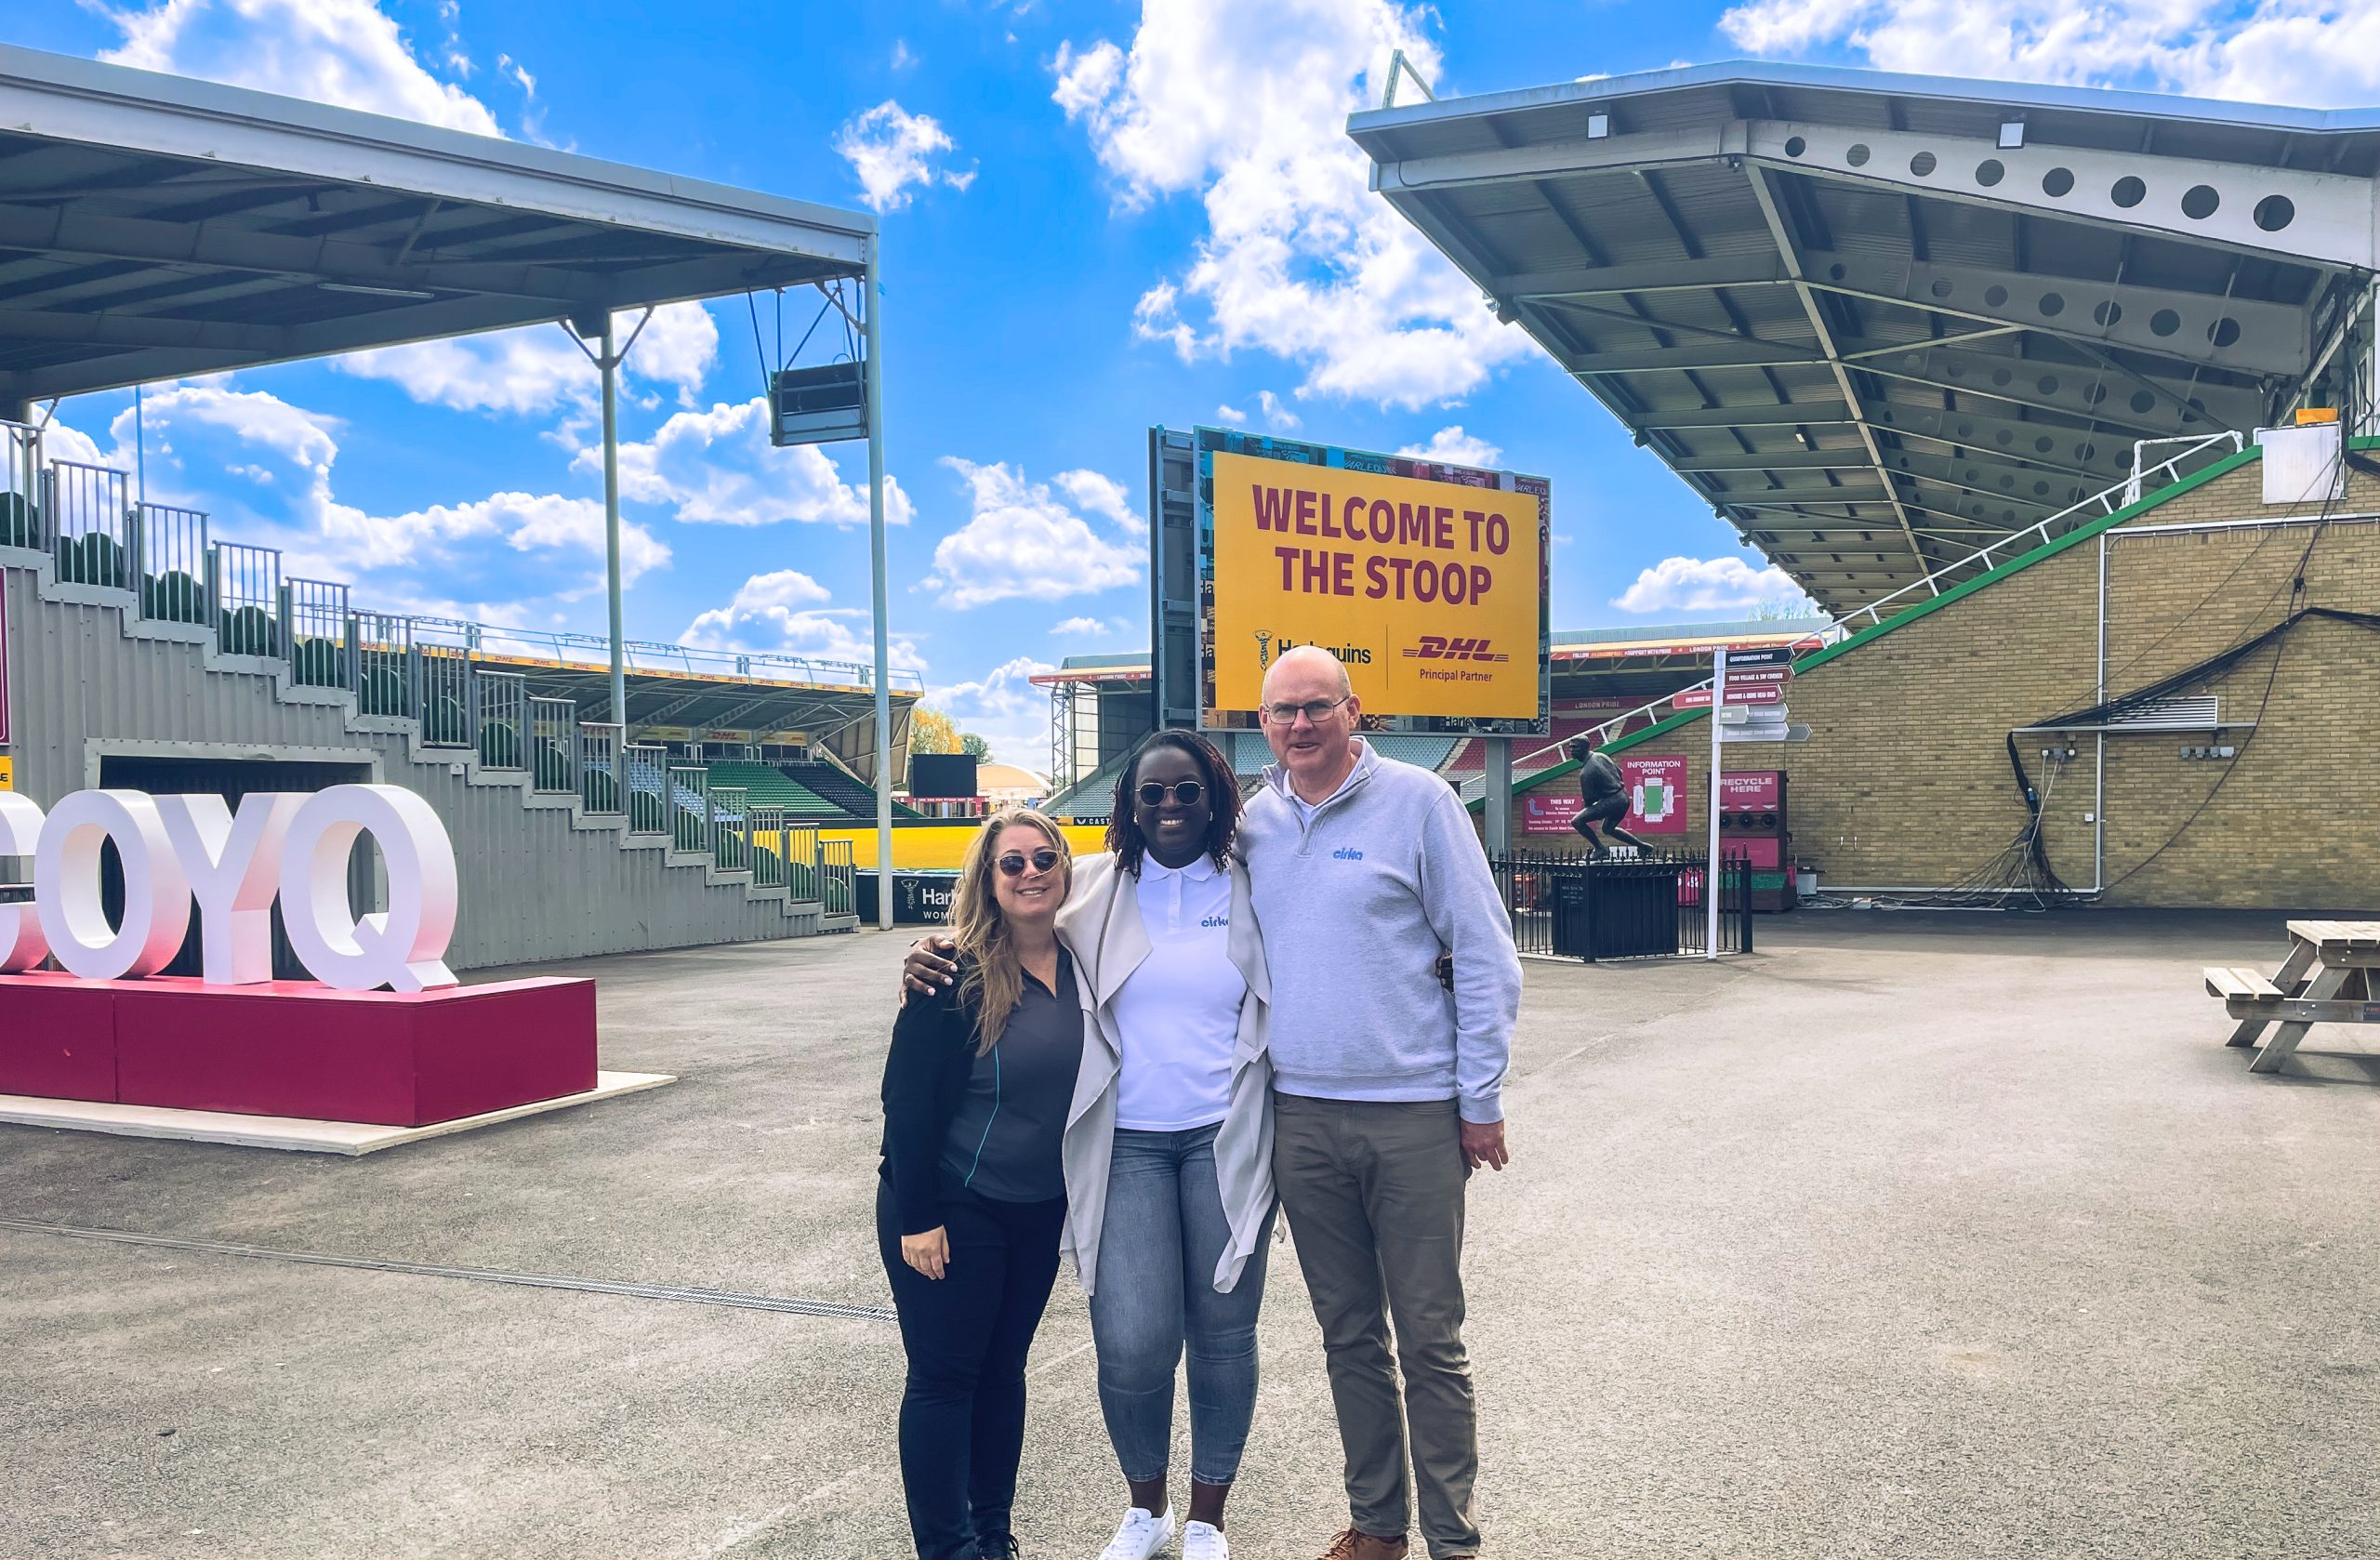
(760, 1524)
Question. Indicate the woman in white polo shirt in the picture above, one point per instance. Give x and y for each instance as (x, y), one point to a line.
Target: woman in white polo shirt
(1169, 1145)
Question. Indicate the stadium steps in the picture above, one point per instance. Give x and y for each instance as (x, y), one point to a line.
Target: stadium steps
(801, 916)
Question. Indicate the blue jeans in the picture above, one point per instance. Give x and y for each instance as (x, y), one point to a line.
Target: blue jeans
(1162, 1240)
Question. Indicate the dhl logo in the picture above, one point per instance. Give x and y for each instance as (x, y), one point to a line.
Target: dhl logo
(1436, 647)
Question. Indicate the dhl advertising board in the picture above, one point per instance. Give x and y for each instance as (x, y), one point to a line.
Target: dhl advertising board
(1428, 580)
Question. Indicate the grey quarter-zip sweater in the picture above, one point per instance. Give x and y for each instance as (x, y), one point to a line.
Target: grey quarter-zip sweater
(1356, 897)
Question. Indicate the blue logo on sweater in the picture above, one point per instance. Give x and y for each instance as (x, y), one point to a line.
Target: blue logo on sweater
(1213, 922)
(1347, 853)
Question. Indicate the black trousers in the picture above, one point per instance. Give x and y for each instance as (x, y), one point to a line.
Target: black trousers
(962, 1412)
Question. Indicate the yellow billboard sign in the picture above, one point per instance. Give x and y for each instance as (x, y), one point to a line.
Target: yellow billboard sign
(8, 773)
(1431, 590)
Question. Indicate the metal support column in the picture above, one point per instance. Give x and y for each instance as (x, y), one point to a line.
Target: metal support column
(1711, 877)
(610, 366)
(1497, 811)
(875, 382)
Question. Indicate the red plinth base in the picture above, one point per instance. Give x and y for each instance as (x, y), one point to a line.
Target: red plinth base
(295, 1049)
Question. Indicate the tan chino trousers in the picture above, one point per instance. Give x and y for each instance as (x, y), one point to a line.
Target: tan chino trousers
(1374, 1194)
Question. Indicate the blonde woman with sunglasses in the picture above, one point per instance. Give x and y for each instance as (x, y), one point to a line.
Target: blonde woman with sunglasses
(972, 1201)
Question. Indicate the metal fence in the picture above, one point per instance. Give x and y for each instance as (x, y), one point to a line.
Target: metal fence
(837, 880)
(553, 747)
(690, 808)
(1567, 905)
(599, 768)
(383, 663)
(322, 633)
(20, 486)
(440, 680)
(89, 519)
(169, 550)
(731, 826)
(644, 768)
(499, 713)
(246, 590)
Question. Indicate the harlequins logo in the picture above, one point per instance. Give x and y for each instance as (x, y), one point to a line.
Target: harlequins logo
(1436, 647)
(1263, 648)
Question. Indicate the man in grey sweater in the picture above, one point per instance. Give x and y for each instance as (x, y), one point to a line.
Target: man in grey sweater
(1388, 1087)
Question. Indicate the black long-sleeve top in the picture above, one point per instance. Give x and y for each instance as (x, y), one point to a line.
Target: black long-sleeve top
(1599, 779)
(956, 1121)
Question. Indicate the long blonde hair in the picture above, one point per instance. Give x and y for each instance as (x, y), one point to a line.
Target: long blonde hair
(995, 980)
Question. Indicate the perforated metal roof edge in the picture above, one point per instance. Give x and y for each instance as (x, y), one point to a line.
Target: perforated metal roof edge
(1843, 78)
(1934, 603)
(122, 108)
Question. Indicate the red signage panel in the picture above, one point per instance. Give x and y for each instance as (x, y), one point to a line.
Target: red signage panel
(1656, 786)
(1750, 791)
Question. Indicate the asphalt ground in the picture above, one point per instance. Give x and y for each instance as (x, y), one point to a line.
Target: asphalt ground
(1908, 1234)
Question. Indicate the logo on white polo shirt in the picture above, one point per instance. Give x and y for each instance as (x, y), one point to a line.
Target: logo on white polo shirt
(1346, 853)
(1213, 922)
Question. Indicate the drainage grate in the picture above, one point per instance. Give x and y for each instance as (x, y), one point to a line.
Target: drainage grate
(787, 1303)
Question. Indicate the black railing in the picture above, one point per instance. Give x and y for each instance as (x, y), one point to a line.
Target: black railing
(1641, 906)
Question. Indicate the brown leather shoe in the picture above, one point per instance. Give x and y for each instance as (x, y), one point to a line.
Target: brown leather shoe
(1356, 1544)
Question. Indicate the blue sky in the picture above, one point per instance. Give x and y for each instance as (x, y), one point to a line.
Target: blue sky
(1097, 217)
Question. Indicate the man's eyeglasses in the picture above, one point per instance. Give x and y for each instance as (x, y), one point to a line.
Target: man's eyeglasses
(1186, 792)
(1315, 711)
(1012, 864)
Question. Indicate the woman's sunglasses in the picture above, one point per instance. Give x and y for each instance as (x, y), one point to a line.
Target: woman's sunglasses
(1012, 864)
(1186, 792)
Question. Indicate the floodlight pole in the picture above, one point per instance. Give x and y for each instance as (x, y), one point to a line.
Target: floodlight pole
(582, 327)
(874, 376)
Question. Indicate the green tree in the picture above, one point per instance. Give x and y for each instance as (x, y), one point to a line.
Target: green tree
(974, 747)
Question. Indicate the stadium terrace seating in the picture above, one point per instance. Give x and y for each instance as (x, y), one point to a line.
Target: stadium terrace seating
(766, 785)
(839, 789)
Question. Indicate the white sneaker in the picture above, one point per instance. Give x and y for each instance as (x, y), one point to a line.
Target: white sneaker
(1202, 1540)
(1141, 1535)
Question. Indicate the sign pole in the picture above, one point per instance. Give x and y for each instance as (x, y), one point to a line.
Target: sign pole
(1711, 865)
(1499, 805)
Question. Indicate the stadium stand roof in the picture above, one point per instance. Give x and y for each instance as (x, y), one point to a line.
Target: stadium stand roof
(153, 227)
(1876, 321)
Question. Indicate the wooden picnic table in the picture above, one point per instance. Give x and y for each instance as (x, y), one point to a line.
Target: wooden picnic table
(2331, 976)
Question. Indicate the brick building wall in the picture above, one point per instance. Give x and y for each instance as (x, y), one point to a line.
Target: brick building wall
(1906, 782)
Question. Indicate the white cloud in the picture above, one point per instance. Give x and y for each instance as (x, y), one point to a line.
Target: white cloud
(1726, 585)
(717, 467)
(786, 613)
(1103, 495)
(538, 369)
(1005, 708)
(890, 149)
(2310, 52)
(345, 52)
(1455, 447)
(1244, 102)
(294, 452)
(1022, 543)
(1277, 417)
(1231, 415)
(1074, 626)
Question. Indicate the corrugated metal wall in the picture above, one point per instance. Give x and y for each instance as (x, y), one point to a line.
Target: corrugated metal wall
(537, 881)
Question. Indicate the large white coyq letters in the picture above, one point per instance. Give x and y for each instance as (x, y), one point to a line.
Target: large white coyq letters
(175, 848)
(66, 886)
(22, 943)
(403, 947)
